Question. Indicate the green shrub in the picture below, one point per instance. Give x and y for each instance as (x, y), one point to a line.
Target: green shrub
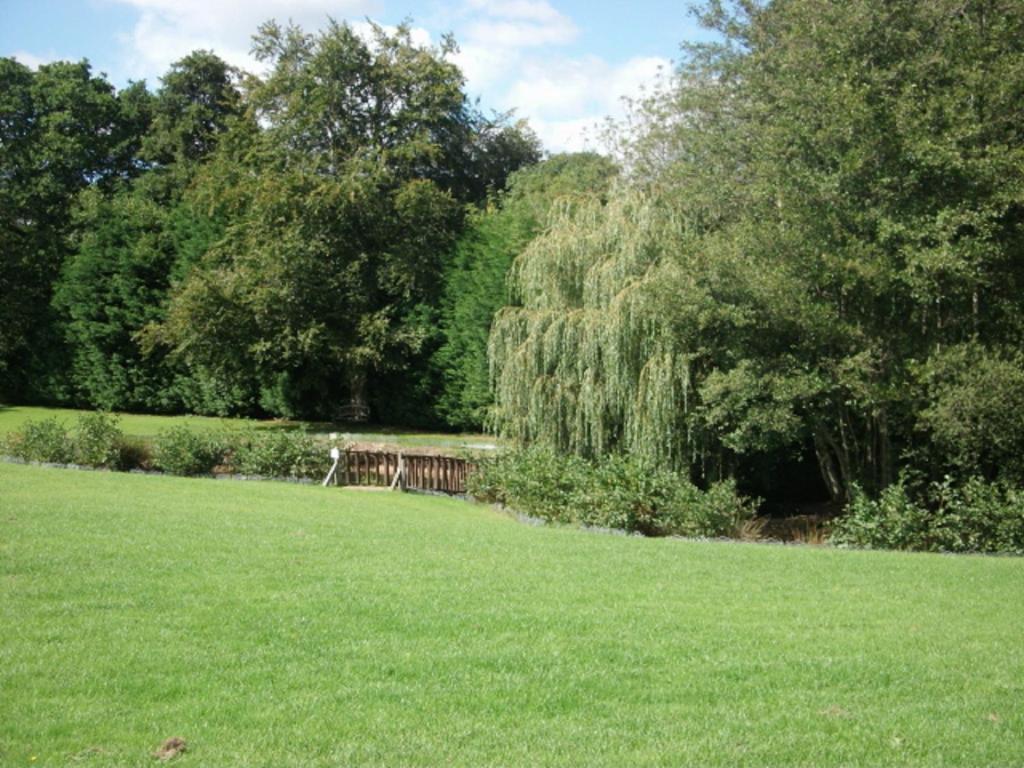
(975, 516)
(536, 482)
(279, 453)
(134, 453)
(975, 411)
(42, 440)
(616, 492)
(97, 440)
(180, 451)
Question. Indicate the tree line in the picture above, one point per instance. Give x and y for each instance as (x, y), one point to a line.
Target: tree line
(816, 268)
(281, 245)
(803, 269)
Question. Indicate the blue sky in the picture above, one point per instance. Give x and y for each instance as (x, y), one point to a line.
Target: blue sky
(563, 64)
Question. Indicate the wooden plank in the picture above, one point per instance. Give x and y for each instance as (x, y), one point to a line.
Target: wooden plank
(447, 474)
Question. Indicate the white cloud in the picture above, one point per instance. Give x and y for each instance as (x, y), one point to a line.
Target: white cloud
(517, 34)
(570, 135)
(559, 88)
(484, 66)
(509, 50)
(531, 10)
(169, 29)
(568, 100)
(33, 61)
(223, 16)
(517, 24)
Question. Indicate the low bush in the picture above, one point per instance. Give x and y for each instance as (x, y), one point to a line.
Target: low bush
(43, 440)
(535, 481)
(279, 453)
(134, 453)
(974, 516)
(617, 492)
(181, 451)
(97, 441)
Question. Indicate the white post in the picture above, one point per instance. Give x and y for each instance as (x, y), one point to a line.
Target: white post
(336, 455)
(398, 473)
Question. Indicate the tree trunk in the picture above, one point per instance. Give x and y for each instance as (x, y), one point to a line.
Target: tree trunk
(827, 463)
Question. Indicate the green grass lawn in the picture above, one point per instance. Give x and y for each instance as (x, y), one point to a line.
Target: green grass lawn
(279, 625)
(147, 426)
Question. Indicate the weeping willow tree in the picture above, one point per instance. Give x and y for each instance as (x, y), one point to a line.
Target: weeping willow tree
(834, 220)
(582, 360)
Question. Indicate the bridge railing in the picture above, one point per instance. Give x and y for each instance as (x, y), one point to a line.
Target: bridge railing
(419, 472)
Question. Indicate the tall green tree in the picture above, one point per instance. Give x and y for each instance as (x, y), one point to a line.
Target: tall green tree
(475, 281)
(62, 129)
(133, 241)
(197, 99)
(112, 287)
(342, 195)
(831, 194)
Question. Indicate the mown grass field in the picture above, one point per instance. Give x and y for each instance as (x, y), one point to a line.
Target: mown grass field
(278, 625)
(147, 426)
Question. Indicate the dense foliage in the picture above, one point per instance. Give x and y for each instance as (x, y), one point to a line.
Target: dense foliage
(98, 441)
(62, 130)
(181, 451)
(819, 252)
(45, 440)
(623, 493)
(278, 453)
(974, 516)
(808, 252)
(475, 281)
(237, 244)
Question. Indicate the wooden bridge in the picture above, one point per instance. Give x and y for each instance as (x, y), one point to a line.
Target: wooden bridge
(419, 472)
